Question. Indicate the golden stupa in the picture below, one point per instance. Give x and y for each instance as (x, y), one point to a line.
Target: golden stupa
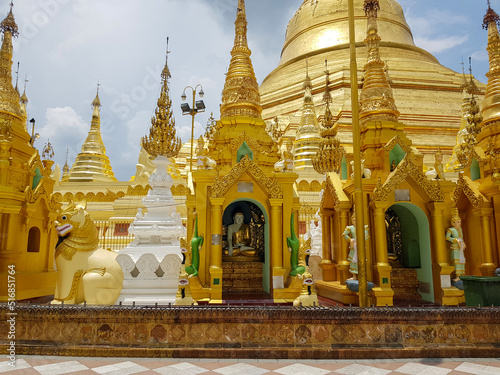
(428, 95)
(92, 163)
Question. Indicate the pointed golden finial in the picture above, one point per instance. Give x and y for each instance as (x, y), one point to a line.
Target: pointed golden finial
(9, 23)
(491, 103)
(328, 121)
(240, 96)
(377, 102)
(24, 98)
(162, 140)
(9, 100)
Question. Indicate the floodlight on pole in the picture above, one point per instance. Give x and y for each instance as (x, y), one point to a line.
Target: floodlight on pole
(198, 106)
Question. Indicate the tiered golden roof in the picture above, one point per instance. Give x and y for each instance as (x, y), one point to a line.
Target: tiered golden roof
(308, 136)
(92, 163)
(241, 126)
(376, 99)
(9, 97)
(162, 140)
(240, 96)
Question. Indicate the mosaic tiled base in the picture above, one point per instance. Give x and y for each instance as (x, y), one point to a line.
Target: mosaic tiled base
(255, 332)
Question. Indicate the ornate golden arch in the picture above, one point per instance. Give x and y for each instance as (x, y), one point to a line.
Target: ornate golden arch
(466, 186)
(222, 185)
(251, 142)
(404, 170)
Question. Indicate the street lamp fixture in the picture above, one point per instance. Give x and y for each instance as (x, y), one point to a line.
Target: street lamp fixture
(198, 106)
(34, 135)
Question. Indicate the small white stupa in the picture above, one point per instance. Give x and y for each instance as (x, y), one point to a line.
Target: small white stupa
(151, 263)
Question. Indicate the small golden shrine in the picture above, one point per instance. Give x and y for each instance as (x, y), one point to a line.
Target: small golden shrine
(243, 205)
(404, 211)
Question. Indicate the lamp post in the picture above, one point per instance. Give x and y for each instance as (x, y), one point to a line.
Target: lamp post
(34, 135)
(198, 107)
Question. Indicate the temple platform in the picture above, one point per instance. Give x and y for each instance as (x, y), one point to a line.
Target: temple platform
(254, 332)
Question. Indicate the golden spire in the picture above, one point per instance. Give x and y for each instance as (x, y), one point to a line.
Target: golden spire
(66, 166)
(24, 103)
(377, 102)
(308, 137)
(491, 103)
(9, 97)
(92, 163)
(469, 129)
(330, 153)
(240, 96)
(162, 140)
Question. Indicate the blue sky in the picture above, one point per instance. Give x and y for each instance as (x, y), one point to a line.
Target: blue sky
(66, 46)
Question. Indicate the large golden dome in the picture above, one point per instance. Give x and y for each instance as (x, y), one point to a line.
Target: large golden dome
(427, 94)
(323, 24)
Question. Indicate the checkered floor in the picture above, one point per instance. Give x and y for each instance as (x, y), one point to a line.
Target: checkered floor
(31, 365)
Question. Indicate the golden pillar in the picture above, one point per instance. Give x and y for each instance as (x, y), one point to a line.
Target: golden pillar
(380, 233)
(383, 293)
(191, 205)
(488, 266)
(216, 250)
(278, 272)
(276, 225)
(327, 245)
(343, 248)
(441, 269)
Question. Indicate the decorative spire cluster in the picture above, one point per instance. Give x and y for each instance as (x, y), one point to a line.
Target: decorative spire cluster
(330, 154)
(9, 97)
(377, 102)
(462, 155)
(491, 103)
(162, 140)
(240, 96)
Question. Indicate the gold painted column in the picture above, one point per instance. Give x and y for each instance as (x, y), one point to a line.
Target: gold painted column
(191, 205)
(383, 293)
(216, 250)
(488, 266)
(441, 269)
(327, 265)
(278, 272)
(343, 248)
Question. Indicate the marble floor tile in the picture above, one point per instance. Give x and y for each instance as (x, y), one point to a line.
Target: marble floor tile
(66, 367)
(241, 369)
(120, 368)
(422, 369)
(181, 369)
(300, 369)
(20, 364)
(477, 369)
(358, 369)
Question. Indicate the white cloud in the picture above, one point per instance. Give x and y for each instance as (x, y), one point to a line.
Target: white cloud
(436, 45)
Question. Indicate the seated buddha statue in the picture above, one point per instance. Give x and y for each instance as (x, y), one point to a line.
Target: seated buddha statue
(239, 237)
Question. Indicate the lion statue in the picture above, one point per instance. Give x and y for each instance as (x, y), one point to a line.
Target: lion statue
(85, 273)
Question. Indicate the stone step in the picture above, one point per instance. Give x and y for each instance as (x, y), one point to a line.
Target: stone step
(242, 277)
(405, 284)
